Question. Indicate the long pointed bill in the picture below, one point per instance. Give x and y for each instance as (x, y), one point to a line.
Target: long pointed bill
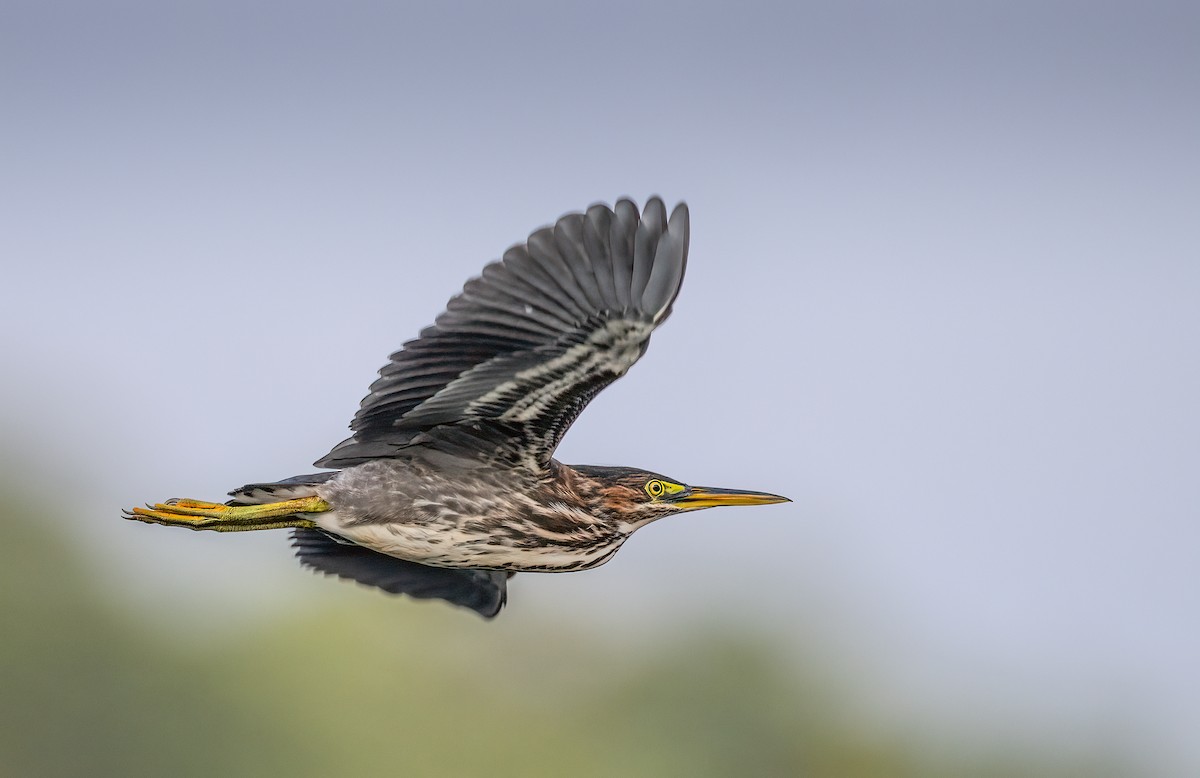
(703, 497)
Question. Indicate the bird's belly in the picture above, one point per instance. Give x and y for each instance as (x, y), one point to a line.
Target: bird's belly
(441, 545)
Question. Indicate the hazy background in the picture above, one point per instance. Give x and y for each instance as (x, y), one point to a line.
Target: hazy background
(943, 292)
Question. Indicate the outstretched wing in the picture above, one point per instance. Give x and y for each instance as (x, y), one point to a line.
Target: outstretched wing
(518, 355)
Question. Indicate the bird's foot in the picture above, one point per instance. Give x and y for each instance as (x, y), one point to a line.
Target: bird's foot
(197, 514)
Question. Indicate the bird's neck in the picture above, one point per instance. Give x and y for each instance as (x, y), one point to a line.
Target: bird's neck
(584, 485)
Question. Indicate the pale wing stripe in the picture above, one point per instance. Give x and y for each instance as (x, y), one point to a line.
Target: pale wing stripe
(604, 351)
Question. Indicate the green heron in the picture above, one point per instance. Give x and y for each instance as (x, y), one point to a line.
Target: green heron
(448, 485)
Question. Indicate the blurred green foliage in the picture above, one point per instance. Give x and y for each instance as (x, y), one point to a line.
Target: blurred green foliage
(386, 687)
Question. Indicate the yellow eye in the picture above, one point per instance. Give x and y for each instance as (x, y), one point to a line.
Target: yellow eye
(655, 488)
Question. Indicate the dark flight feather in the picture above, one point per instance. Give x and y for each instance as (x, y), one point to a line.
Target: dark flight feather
(483, 591)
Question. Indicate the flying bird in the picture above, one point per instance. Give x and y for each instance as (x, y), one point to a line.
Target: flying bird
(448, 485)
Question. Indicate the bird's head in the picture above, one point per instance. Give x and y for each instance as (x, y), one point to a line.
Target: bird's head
(639, 496)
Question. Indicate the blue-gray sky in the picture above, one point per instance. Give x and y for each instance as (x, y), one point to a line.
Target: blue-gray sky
(942, 292)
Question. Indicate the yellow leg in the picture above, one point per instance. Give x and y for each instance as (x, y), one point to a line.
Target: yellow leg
(196, 514)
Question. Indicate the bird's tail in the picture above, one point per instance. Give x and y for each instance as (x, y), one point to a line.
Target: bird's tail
(274, 491)
(276, 505)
